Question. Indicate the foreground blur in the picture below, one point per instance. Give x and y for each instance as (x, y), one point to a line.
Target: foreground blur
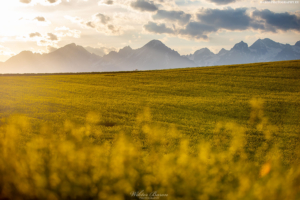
(237, 162)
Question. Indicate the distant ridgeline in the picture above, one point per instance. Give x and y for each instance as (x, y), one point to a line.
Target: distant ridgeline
(154, 55)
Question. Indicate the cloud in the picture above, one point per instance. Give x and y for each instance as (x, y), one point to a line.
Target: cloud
(106, 2)
(25, 1)
(42, 40)
(102, 18)
(67, 32)
(36, 34)
(213, 20)
(90, 24)
(77, 20)
(158, 28)
(141, 5)
(209, 21)
(144, 5)
(240, 19)
(4, 51)
(52, 37)
(197, 30)
(133, 18)
(230, 19)
(283, 21)
(42, 2)
(40, 20)
(222, 2)
(46, 43)
(52, 1)
(101, 23)
(178, 16)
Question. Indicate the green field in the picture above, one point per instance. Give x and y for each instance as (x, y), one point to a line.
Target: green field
(203, 105)
(192, 99)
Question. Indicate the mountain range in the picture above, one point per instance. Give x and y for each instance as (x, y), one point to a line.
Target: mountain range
(265, 50)
(153, 55)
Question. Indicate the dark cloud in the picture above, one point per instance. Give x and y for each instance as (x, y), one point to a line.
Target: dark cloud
(158, 28)
(239, 19)
(40, 19)
(212, 20)
(222, 2)
(111, 27)
(103, 18)
(144, 5)
(43, 42)
(197, 30)
(90, 24)
(25, 1)
(52, 37)
(36, 34)
(179, 16)
(29, 1)
(109, 2)
(52, 1)
(230, 19)
(283, 21)
(106, 2)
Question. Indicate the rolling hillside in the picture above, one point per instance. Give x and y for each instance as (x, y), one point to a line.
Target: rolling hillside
(227, 132)
(193, 99)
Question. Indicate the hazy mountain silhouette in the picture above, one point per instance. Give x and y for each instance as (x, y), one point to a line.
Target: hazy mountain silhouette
(239, 54)
(203, 57)
(265, 50)
(153, 55)
(70, 58)
(222, 52)
(289, 53)
(24, 62)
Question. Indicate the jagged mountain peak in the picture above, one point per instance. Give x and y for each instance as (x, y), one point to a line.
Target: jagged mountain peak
(270, 43)
(203, 51)
(261, 43)
(23, 55)
(155, 44)
(222, 51)
(73, 46)
(70, 45)
(125, 52)
(71, 49)
(240, 46)
(26, 52)
(259, 47)
(258, 43)
(268, 40)
(126, 49)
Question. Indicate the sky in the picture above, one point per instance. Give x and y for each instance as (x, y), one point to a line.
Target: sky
(42, 26)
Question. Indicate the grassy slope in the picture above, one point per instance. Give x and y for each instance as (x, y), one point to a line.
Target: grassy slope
(193, 99)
